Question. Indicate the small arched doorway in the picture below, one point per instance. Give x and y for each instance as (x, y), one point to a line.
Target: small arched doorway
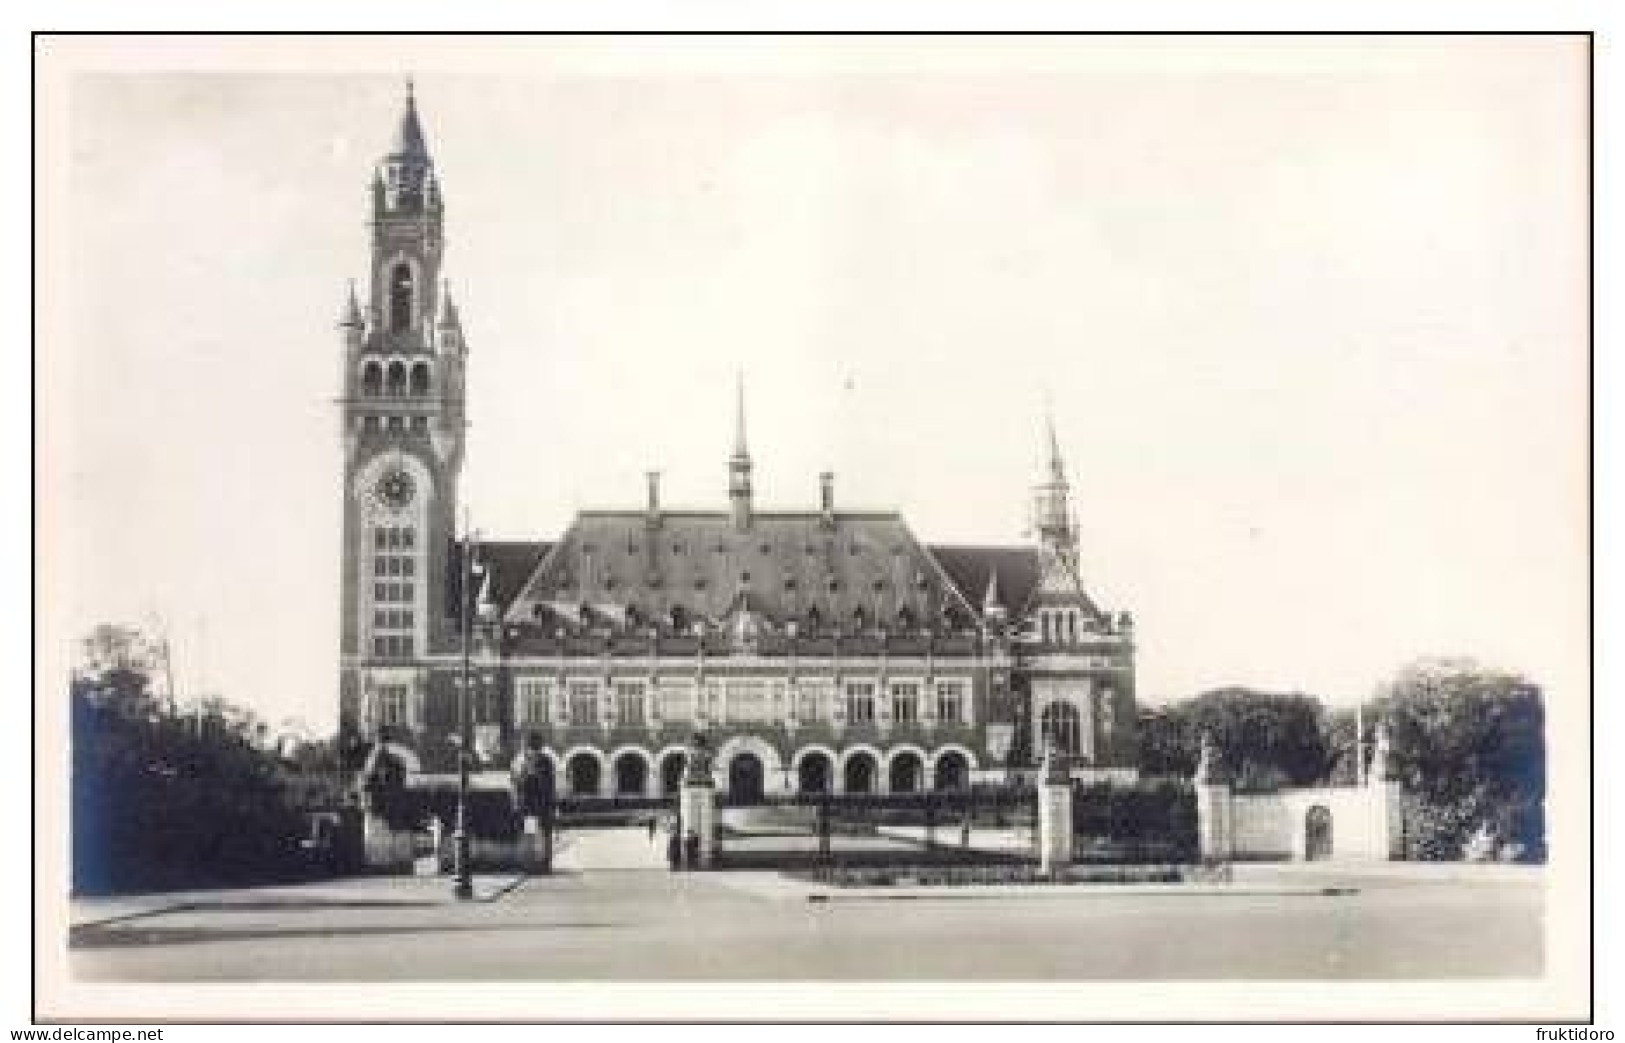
(813, 773)
(631, 775)
(584, 775)
(671, 772)
(952, 771)
(745, 779)
(1317, 833)
(905, 773)
(859, 775)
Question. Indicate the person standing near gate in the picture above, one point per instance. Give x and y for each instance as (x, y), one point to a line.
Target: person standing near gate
(691, 850)
(674, 851)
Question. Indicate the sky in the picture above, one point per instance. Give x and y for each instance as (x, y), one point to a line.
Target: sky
(1310, 318)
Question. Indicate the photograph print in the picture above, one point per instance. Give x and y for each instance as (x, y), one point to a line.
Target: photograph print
(634, 525)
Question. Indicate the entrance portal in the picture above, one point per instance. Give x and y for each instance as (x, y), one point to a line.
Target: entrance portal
(1317, 833)
(906, 770)
(745, 775)
(631, 775)
(952, 771)
(860, 774)
(812, 775)
(584, 774)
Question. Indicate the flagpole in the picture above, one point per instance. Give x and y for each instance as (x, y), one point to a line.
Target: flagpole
(1359, 742)
(464, 886)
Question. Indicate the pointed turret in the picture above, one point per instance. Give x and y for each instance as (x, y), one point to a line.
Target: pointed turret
(449, 327)
(351, 316)
(352, 326)
(408, 141)
(405, 182)
(739, 485)
(449, 319)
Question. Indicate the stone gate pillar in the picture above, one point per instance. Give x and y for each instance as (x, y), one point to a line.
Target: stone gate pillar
(1384, 807)
(384, 848)
(1054, 814)
(697, 805)
(1215, 821)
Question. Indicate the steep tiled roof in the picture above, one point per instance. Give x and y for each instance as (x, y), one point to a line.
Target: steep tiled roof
(792, 564)
(508, 562)
(783, 568)
(970, 568)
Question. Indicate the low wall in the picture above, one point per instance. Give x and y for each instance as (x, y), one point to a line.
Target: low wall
(1364, 822)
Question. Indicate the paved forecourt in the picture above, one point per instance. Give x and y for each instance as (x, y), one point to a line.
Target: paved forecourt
(646, 924)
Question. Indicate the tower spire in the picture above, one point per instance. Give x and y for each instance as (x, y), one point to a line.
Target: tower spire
(409, 135)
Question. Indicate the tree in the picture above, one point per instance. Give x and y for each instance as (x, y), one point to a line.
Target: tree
(1265, 739)
(161, 799)
(1469, 747)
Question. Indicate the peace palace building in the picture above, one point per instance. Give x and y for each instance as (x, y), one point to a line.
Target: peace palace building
(821, 650)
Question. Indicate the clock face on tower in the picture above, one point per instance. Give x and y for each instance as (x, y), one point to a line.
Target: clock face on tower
(394, 490)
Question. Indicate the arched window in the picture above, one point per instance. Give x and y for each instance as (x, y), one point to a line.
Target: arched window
(400, 298)
(397, 378)
(372, 379)
(420, 379)
(1060, 724)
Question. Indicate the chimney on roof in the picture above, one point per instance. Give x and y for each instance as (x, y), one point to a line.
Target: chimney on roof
(826, 497)
(652, 513)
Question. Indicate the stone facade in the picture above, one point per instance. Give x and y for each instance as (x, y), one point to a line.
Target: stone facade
(824, 649)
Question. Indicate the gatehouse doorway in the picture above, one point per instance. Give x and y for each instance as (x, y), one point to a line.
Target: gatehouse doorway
(1317, 833)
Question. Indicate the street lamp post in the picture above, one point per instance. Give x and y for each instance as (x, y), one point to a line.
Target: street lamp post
(464, 886)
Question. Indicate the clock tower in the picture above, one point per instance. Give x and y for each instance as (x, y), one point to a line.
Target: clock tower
(403, 427)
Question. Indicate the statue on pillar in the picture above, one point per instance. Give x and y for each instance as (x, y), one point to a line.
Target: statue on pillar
(698, 771)
(1381, 755)
(382, 779)
(1207, 763)
(528, 779)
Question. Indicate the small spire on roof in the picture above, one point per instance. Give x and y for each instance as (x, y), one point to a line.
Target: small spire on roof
(1057, 472)
(448, 309)
(990, 600)
(352, 307)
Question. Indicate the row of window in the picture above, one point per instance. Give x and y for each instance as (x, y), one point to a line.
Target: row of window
(1059, 626)
(418, 425)
(738, 701)
(392, 646)
(392, 619)
(389, 702)
(393, 565)
(396, 379)
(394, 537)
(396, 593)
(723, 547)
